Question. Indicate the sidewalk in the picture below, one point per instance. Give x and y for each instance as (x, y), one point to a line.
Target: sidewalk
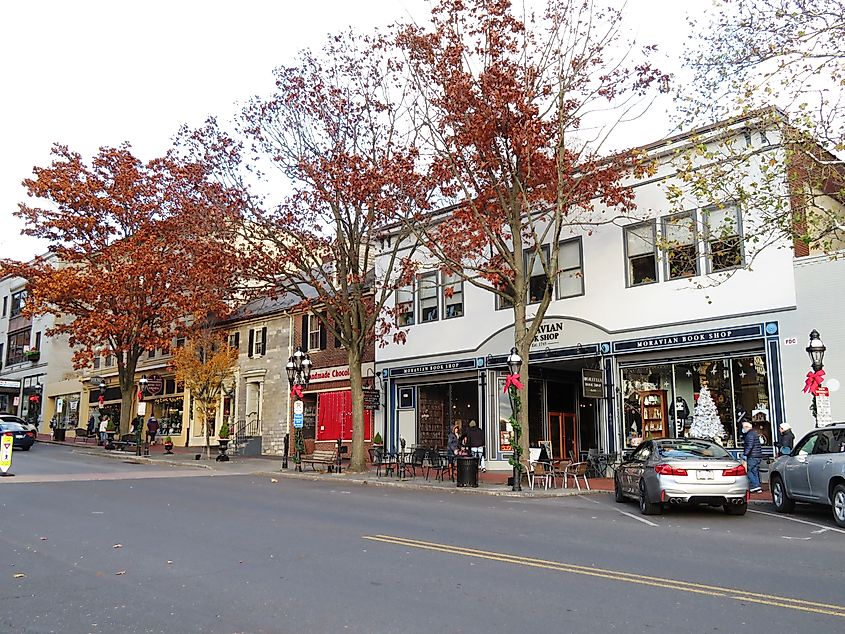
(489, 483)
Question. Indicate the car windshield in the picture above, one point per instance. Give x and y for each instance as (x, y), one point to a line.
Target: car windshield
(11, 426)
(685, 449)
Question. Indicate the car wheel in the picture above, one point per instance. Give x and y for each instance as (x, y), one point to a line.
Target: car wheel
(647, 507)
(617, 490)
(838, 500)
(779, 497)
(736, 509)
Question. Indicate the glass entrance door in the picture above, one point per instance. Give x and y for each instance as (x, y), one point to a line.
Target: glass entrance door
(563, 436)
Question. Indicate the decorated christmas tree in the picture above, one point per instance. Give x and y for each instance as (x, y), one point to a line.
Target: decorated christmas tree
(705, 419)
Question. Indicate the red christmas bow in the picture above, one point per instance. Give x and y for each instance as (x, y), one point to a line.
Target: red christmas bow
(814, 382)
(297, 391)
(512, 379)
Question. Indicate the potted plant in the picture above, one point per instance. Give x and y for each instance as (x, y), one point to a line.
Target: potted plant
(377, 441)
(168, 445)
(223, 442)
(32, 355)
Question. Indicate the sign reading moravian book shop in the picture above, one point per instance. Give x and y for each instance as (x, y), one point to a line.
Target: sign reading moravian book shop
(592, 383)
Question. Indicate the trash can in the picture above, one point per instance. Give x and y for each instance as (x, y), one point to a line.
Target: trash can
(467, 471)
(59, 434)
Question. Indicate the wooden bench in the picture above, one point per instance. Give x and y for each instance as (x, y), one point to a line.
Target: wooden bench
(326, 457)
(82, 435)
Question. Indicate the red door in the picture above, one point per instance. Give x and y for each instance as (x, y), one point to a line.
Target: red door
(334, 417)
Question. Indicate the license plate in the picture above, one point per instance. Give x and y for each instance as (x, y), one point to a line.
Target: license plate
(704, 475)
(19, 436)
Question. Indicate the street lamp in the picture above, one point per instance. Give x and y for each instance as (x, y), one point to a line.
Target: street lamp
(815, 350)
(139, 424)
(512, 384)
(298, 369)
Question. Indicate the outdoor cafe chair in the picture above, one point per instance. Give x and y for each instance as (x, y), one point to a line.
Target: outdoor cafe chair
(436, 463)
(416, 459)
(383, 460)
(575, 470)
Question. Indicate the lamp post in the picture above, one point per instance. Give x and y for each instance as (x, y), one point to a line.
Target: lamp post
(815, 350)
(512, 385)
(142, 393)
(298, 369)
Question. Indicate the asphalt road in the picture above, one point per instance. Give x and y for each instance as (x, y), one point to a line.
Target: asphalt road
(106, 546)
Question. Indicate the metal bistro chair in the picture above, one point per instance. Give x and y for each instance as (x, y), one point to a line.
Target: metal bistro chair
(576, 470)
(417, 459)
(436, 463)
(383, 460)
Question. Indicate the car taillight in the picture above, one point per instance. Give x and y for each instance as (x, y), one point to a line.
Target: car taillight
(738, 470)
(31, 434)
(667, 469)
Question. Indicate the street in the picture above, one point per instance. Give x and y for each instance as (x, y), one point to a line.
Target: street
(98, 545)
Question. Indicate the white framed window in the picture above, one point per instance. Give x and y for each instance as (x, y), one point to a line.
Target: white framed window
(453, 295)
(257, 342)
(315, 329)
(427, 283)
(405, 305)
(681, 245)
(538, 279)
(570, 278)
(641, 253)
(723, 234)
(235, 340)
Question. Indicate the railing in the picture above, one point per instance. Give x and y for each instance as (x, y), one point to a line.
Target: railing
(245, 428)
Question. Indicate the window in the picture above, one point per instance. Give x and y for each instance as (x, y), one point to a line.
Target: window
(641, 253)
(453, 296)
(570, 278)
(405, 305)
(18, 301)
(1, 355)
(96, 362)
(681, 252)
(235, 340)
(5, 305)
(315, 332)
(151, 354)
(38, 340)
(257, 342)
(406, 397)
(538, 281)
(180, 342)
(428, 297)
(724, 238)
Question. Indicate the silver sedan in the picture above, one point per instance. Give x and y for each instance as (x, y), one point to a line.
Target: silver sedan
(682, 471)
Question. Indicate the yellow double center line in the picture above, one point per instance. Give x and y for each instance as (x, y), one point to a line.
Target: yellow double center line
(617, 575)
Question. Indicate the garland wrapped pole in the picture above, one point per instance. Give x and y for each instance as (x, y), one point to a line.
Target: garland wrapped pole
(815, 377)
(298, 369)
(512, 385)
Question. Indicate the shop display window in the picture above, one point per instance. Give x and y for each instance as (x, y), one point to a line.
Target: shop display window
(505, 412)
(653, 393)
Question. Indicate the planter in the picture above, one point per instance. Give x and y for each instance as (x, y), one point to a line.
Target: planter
(222, 446)
(168, 447)
(32, 356)
(59, 435)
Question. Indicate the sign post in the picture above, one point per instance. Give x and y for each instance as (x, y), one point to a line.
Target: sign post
(6, 445)
(298, 412)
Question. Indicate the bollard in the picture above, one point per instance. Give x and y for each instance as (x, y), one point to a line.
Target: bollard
(285, 452)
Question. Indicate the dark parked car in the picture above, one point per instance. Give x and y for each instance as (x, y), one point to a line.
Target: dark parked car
(23, 438)
(682, 471)
(11, 418)
(814, 471)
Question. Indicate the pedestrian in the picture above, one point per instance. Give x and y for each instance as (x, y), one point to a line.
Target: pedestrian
(752, 452)
(152, 429)
(787, 438)
(475, 440)
(104, 427)
(92, 425)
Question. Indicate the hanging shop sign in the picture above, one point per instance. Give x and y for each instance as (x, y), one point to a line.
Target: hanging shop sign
(823, 415)
(372, 399)
(155, 384)
(337, 373)
(592, 383)
(686, 339)
(434, 368)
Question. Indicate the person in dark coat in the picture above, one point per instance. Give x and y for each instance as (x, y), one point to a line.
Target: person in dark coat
(787, 438)
(475, 440)
(152, 429)
(752, 452)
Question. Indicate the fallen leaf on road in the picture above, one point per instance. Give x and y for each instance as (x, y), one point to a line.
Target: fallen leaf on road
(19, 575)
(121, 572)
(273, 480)
(170, 562)
(118, 546)
(43, 539)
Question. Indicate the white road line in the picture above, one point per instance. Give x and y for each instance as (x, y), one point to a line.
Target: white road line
(639, 519)
(795, 519)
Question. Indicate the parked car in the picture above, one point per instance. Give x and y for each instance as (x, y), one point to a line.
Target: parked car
(23, 438)
(682, 471)
(11, 418)
(814, 471)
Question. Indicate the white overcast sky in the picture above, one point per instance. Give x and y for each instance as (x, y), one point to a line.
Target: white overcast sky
(90, 73)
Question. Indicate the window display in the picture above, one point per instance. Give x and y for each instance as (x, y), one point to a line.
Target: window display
(660, 400)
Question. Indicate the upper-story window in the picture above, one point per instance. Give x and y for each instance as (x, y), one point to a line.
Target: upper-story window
(313, 333)
(723, 230)
(235, 340)
(16, 344)
(680, 239)
(405, 305)
(257, 342)
(453, 295)
(151, 354)
(18, 301)
(538, 280)
(641, 253)
(570, 278)
(428, 297)
(5, 305)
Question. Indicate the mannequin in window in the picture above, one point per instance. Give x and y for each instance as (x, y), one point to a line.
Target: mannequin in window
(680, 410)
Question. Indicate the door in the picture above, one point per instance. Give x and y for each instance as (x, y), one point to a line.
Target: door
(796, 474)
(632, 471)
(820, 465)
(562, 434)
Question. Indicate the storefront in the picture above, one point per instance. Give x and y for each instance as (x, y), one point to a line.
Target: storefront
(65, 411)
(10, 394)
(661, 379)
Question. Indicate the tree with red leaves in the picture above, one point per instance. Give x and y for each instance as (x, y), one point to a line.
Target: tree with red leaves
(138, 254)
(336, 133)
(508, 107)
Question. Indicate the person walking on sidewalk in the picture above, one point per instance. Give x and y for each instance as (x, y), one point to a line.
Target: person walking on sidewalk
(787, 438)
(152, 429)
(475, 440)
(752, 452)
(104, 428)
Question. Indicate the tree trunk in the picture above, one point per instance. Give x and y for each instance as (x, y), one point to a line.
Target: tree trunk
(207, 431)
(359, 460)
(126, 379)
(522, 343)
